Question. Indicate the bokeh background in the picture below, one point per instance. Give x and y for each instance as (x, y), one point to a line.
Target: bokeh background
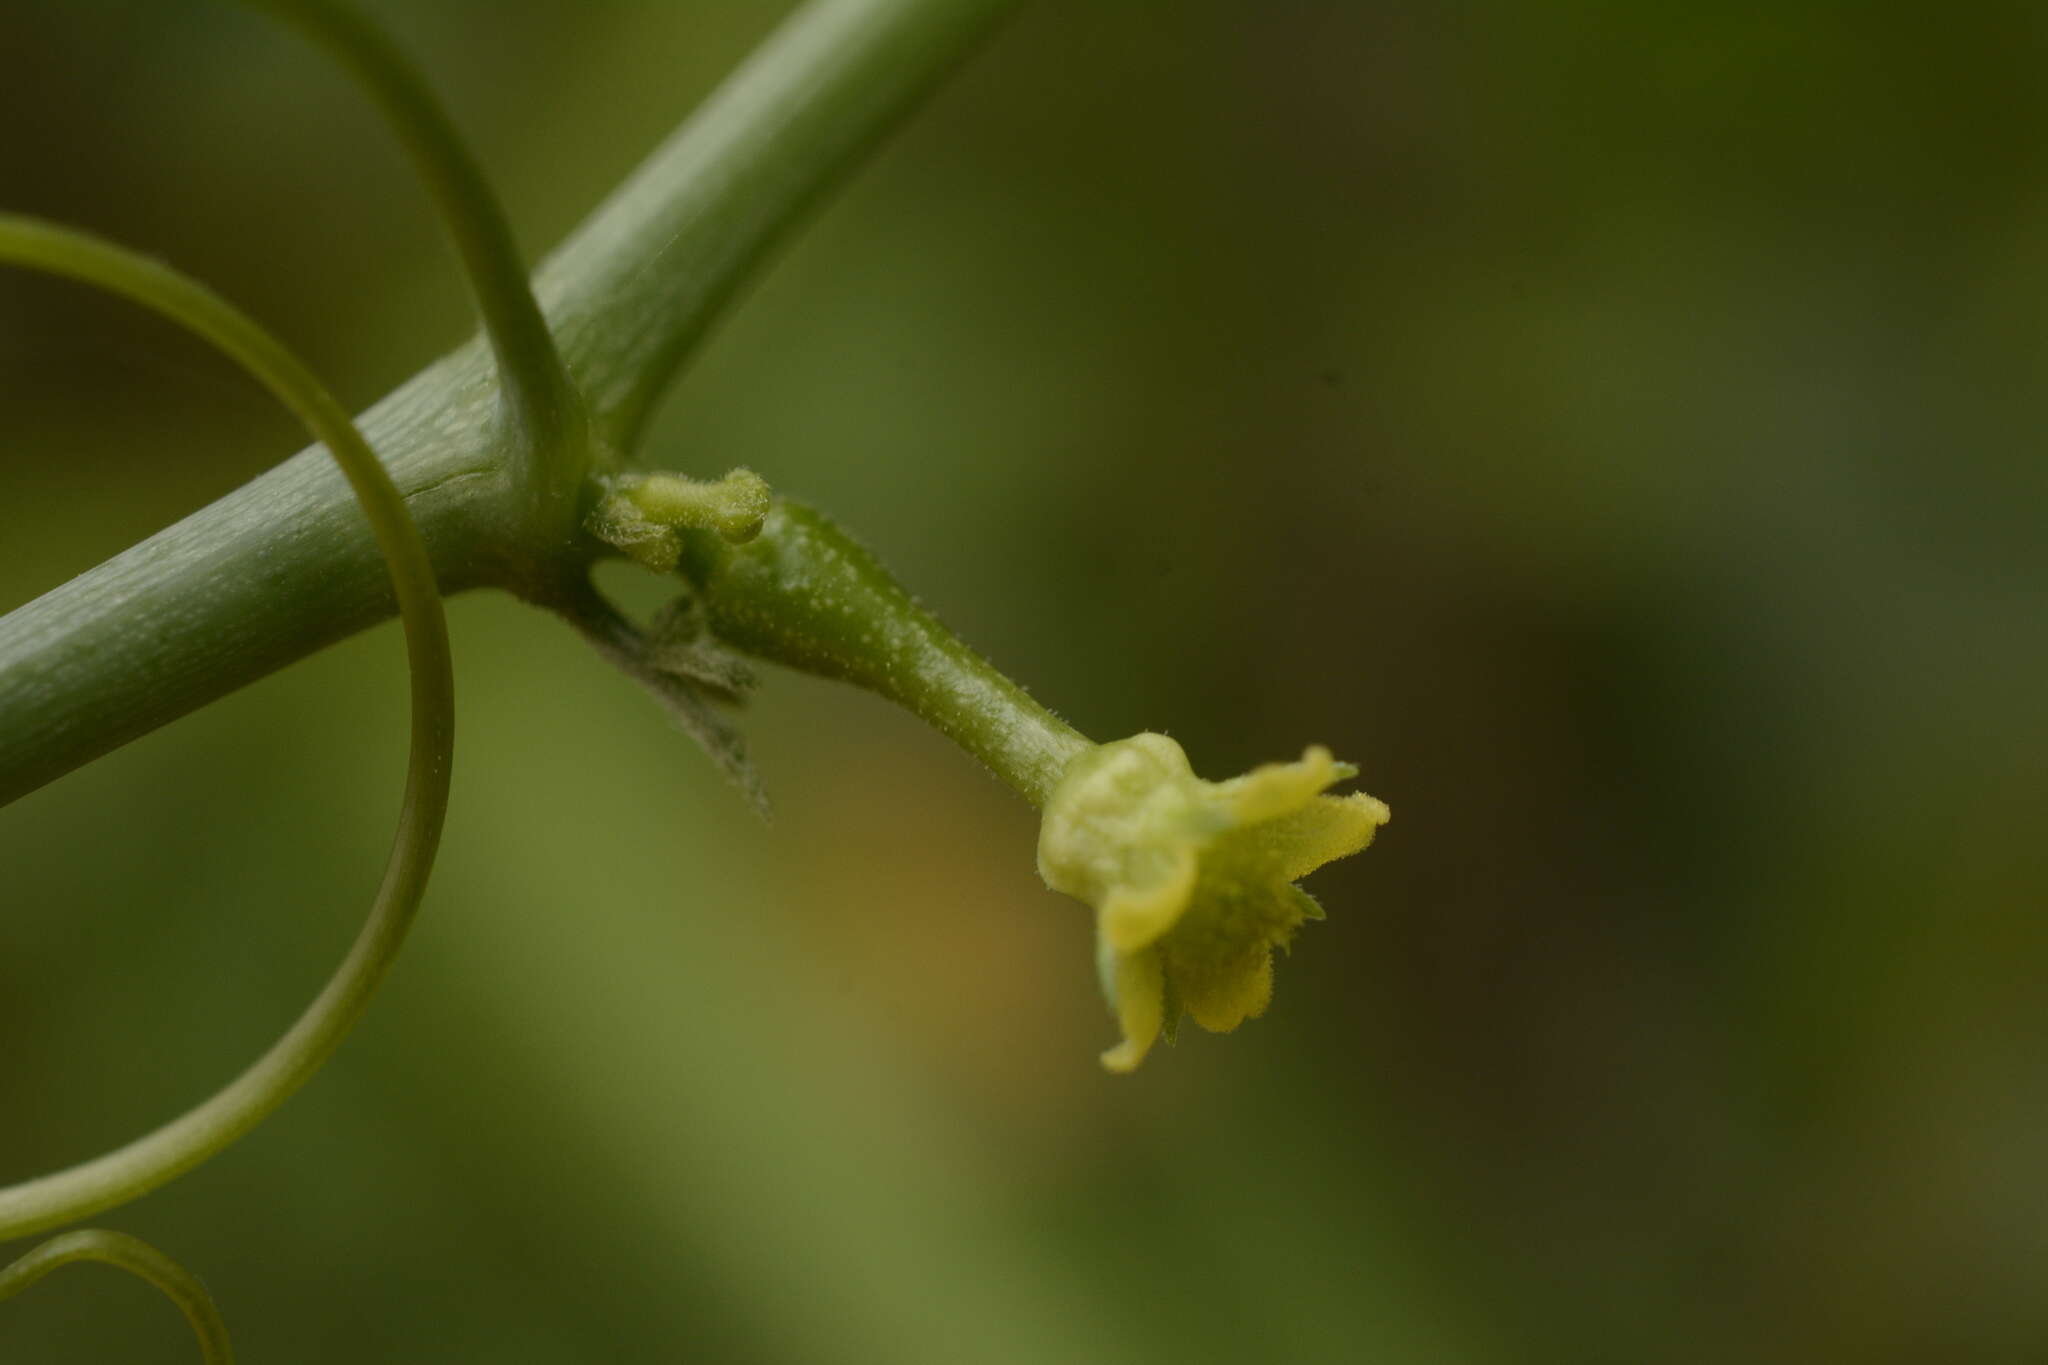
(1616, 426)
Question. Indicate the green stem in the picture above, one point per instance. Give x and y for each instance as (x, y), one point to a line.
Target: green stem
(805, 594)
(637, 286)
(282, 566)
(535, 387)
(139, 1258)
(185, 1142)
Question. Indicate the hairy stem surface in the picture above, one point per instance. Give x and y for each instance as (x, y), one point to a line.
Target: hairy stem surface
(805, 594)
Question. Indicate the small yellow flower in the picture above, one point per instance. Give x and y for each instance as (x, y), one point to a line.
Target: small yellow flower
(1192, 881)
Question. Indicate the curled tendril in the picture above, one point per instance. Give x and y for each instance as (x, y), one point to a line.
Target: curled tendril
(139, 1258)
(149, 1161)
(542, 404)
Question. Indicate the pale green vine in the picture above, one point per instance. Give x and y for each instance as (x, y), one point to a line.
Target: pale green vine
(517, 482)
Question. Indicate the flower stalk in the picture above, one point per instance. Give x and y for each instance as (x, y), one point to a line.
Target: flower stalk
(805, 594)
(1193, 883)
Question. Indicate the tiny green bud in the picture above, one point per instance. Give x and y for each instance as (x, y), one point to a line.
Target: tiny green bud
(734, 506)
(1193, 882)
(645, 514)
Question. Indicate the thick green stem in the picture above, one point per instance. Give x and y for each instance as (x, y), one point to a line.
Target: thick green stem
(274, 571)
(805, 594)
(283, 566)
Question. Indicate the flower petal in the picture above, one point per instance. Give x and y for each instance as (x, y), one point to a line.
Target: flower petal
(1272, 790)
(1140, 1008)
(1328, 828)
(1134, 916)
(1225, 995)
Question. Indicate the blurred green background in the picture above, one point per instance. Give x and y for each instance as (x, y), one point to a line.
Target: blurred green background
(1616, 426)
